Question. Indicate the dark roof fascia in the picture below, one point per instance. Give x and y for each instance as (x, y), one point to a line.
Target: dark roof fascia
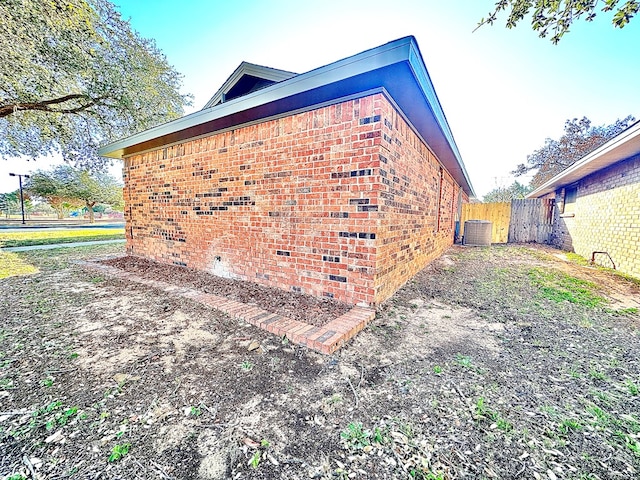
(288, 113)
(246, 68)
(300, 83)
(621, 147)
(451, 152)
(397, 66)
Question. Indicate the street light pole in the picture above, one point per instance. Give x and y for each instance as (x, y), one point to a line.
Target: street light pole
(21, 194)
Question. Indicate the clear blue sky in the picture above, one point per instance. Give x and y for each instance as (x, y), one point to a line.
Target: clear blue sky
(503, 91)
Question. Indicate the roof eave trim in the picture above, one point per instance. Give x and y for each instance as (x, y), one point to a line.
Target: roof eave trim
(402, 51)
(423, 79)
(388, 54)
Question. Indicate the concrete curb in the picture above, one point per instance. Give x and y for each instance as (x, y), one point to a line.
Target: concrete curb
(59, 245)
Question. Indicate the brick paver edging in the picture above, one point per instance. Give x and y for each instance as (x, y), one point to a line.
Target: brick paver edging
(326, 339)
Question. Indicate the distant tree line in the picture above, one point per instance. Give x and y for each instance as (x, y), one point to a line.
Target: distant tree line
(579, 139)
(66, 188)
(10, 203)
(506, 194)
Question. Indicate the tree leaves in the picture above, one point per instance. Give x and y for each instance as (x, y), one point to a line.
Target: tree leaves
(506, 194)
(579, 139)
(556, 16)
(74, 75)
(55, 187)
(10, 202)
(65, 187)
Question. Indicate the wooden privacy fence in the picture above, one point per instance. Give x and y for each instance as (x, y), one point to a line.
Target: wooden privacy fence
(521, 221)
(497, 213)
(531, 220)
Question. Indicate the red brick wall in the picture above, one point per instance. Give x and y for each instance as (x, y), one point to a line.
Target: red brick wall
(419, 202)
(296, 202)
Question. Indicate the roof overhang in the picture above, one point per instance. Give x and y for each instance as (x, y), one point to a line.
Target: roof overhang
(624, 145)
(397, 67)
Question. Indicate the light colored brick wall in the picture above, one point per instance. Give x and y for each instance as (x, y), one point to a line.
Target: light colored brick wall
(606, 217)
(294, 203)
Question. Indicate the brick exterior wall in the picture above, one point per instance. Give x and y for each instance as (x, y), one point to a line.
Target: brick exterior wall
(343, 201)
(418, 204)
(606, 217)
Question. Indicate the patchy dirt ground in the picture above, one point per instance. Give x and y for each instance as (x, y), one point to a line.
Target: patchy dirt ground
(501, 362)
(305, 308)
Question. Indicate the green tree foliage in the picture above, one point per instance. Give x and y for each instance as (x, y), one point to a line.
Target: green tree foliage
(94, 189)
(506, 194)
(579, 139)
(556, 16)
(9, 202)
(74, 75)
(56, 187)
(66, 187)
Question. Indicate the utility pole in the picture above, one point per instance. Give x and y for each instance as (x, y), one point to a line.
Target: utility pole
(21, 194)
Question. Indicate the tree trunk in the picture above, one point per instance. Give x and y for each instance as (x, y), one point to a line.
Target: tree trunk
(90, 209)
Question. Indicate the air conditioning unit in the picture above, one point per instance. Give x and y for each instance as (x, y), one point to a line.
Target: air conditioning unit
(477, 233)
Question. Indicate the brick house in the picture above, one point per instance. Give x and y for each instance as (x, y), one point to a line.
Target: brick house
(343, 182)
(597, 204)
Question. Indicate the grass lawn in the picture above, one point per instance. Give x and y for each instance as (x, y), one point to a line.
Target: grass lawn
(12, 264)
(46, 237)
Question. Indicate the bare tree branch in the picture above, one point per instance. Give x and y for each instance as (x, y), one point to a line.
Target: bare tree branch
(45, 106)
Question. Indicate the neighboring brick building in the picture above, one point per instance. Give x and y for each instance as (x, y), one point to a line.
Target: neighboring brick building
(598, 204)
(343, 182)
